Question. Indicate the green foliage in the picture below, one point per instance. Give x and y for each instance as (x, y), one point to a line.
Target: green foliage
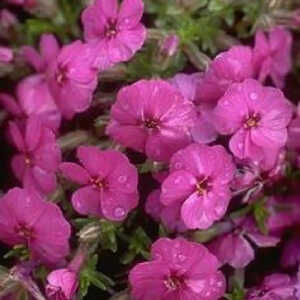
(90, 276)
(238, 293)
(261, 215)
(18, 251)
(139, 244)
(108, 235)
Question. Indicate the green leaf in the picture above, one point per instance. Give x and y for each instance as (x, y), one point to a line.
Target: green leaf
(108, 235)
(261, 215)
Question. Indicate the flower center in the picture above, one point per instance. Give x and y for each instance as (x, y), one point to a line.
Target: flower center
(27, 160)
(111, 29)
(252, 121)
(98, 183)
(151, 124)
(203, 185)
(24, 231)
(61, 74)
(173, 282)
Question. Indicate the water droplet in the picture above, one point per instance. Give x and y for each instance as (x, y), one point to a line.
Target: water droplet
(122, 179)
(177, 180)
(181, 257)
(226, 103)
(119, 212)
(240, 146)
(178, 165)
(253, 96)
(126, 21)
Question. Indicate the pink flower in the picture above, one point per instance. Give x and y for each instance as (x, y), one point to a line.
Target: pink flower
(204, 130)
(38, 158)
(294, 132)
(62, 285)
(152, 117)
(256, 116)
(6, 55)
(276, 286)
(234, 248)
(109, 183)
(25, 218)
(49, 50)
(272, 55)
(169, 215)
(199, 181)
(72, 78)
(117, 31)
(34, 99)
(178, 270)
(7, 19)
(232, 66)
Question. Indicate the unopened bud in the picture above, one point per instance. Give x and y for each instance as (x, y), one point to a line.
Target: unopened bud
(90, 232)
(170, 45)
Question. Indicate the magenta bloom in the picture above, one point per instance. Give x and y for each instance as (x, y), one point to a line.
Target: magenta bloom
(235, 249)
(117, 31)
(72, 78)
(6, 55)
(153, 117)
(204, 130)
(276, 287)
(39, 156)
(199, 180)
(178, 270)
(34, 100)
(62, 285)
(272, 55)
(109, 183)
(25, 218)
(169, 215)
(49, 49)
(256, 116)
(232, 66)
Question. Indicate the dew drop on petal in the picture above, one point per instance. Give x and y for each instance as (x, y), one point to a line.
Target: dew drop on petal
(178, 165)
(177, 180)
(253, 96)
(240, 146)
(122, 179)
(181, 257)
(119, 212)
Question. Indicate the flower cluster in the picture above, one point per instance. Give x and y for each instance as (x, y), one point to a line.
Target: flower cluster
(126, 143)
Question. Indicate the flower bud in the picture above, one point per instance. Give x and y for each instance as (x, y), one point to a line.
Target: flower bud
(6, 55)
(62, 284)
(170, 45)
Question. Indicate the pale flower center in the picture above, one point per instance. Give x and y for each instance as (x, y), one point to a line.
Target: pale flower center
(98, 183)
(24, 231)
(252, 121)
(61, 74)
(203, 186)
(173, 282)
(111, 29)
(151, 124)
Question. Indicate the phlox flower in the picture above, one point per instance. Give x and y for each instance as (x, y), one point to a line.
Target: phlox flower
(272, 55)
(153, 117)
(179, 269)
(199, 181)
(257, 118)
(39, 155)
(26, 218)
(108, 180)
(117, 31)
(6, 55)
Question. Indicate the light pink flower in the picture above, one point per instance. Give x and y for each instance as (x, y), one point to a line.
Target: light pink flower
(235, 249)
(72, 78)
(25, 218)
(256, 116)
(204, 130)
(152, 117)
(178, 270)
(109, 183)
(38, 158)
(7, 19)
(33, 100)
(232, 66)
(272, 55)
(49, 50)
(169, 215)
(199, 181)
(276, 286)
(117, 32)
(6, 55)
(62, 285)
